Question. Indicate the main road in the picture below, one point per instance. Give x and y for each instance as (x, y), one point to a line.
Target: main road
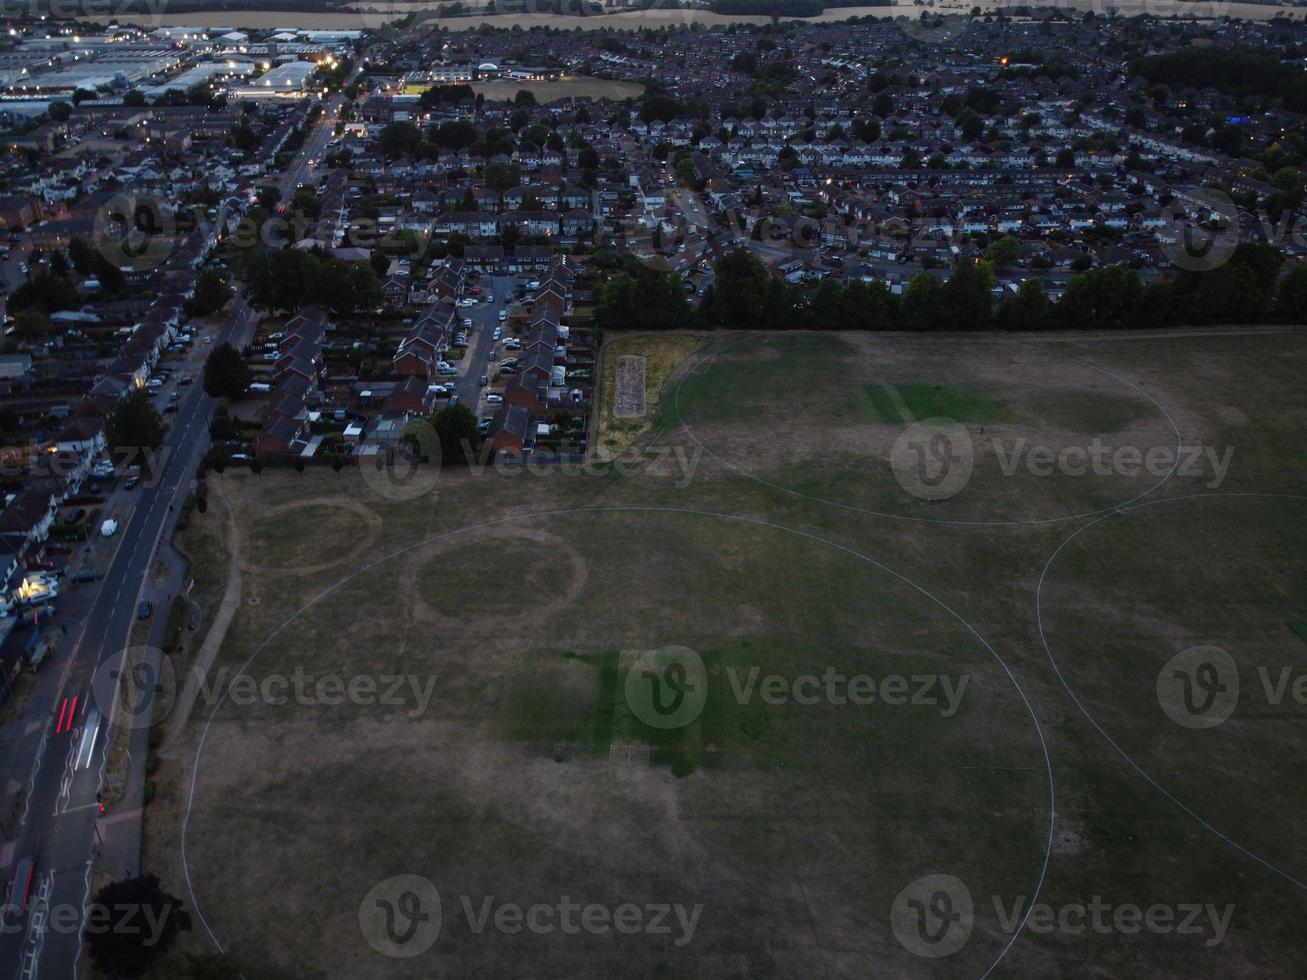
(61, 826)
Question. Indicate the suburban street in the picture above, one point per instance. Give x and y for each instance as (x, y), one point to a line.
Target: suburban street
(499, 290)
(62, 826)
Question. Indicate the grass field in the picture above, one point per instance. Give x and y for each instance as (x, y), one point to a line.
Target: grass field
(537, 609)
(664, 354)
(569, 87)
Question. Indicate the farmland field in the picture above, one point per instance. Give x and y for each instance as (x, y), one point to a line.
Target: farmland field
(786, 677)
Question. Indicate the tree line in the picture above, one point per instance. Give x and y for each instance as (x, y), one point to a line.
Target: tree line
(744, 294)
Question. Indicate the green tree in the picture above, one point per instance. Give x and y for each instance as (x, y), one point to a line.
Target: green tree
(211, 293)
(1291, 302)
(967, 297)
(130, 952)
(1004, 251)
(922, 303)
(739, 289)
(1027, 309)
(398, 139)
(226, 375)
(45, 292)
(133, 427)
(456, 427)
(500, 176)
(828, 305)
(867, 306)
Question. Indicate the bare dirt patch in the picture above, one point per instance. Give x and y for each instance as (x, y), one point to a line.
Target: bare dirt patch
(664, 355)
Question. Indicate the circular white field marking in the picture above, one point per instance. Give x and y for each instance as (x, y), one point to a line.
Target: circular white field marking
(1129, 760)
(687, 512)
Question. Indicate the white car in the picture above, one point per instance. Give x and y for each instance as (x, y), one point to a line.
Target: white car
(467, 302)
(467, 324)
(498, 333)
(494, 399)
(154, 383)
(503, 315)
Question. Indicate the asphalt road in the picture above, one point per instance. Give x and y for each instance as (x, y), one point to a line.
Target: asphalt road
(500, 290)
(60, 828)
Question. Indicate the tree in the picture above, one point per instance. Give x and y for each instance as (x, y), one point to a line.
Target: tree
(1028, 309)
(454, 427)
(398, 139)
(226, 375)
(739, 289)
(1004, 252)
(60, 111)
(129, 952)
(134, 97)
(211, 293)
(641, 298)
(45, 292)
(133, 427)
(1292, 299)
(867, 306)
(827, 305)
(967, 297)
(81, 255)
(31, 323)
(501, 176)
(921, 302)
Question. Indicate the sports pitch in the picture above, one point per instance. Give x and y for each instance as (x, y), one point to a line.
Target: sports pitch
(897, 694)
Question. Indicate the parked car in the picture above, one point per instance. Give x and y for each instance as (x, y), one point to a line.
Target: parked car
(484, 381)
(494, 399)
(86, 575)
(503, 315)
(144, 609)
(75, 516)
